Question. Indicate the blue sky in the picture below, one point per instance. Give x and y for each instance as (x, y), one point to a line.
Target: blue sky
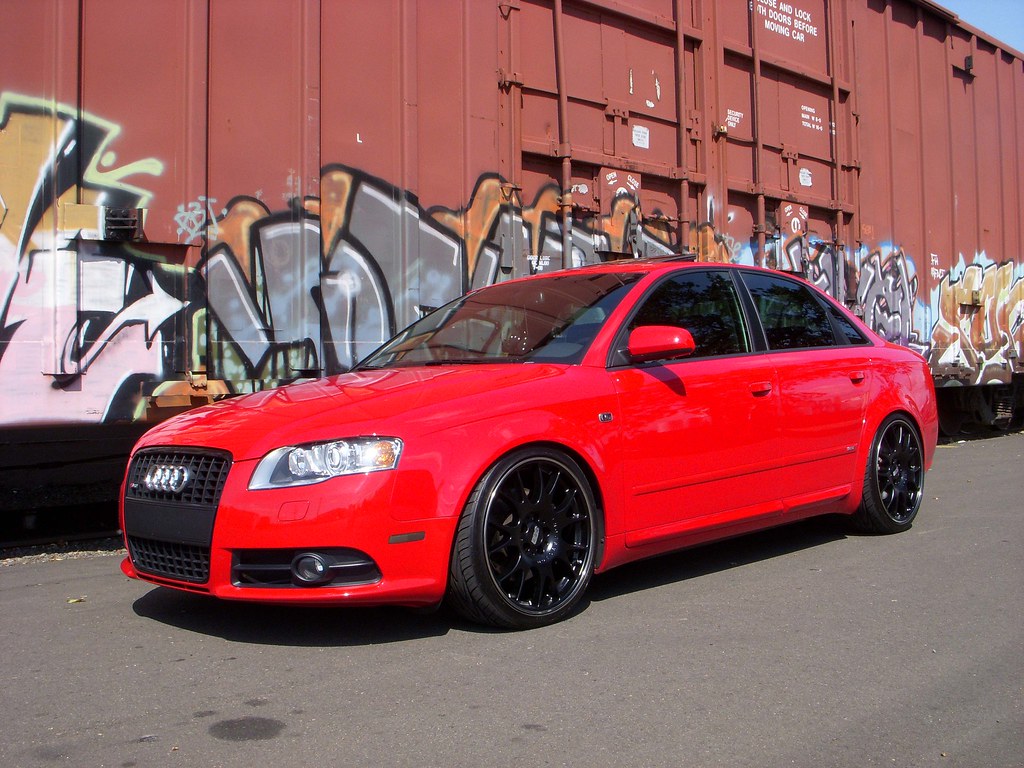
(1001, 19)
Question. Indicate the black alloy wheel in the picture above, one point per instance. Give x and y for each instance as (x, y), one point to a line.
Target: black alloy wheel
(894, 481)
(525, 545)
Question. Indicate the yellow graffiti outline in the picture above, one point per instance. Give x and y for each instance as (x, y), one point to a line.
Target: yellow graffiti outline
(12, 103)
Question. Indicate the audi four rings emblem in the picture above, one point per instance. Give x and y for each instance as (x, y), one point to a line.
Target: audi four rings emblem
(169, 478)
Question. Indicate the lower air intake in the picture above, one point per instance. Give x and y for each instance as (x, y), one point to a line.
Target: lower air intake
(182, 562)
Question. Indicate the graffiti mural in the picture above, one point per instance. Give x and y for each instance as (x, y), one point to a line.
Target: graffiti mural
(814, 258)
(93, 330)
(710, 246)
(75, 316)
(887, 293)
(315, 288)
(980, 320)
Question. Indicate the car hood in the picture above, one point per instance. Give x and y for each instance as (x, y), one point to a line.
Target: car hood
(394, 402)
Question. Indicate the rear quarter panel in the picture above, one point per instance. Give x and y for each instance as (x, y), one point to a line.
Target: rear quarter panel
(900, 382)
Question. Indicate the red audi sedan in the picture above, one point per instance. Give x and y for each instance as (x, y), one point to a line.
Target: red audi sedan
(506, 447)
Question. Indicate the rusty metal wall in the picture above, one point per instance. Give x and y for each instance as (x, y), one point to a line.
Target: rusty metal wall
(201, 198)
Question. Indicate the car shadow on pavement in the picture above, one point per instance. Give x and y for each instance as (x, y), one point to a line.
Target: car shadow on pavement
(300, 626)
(719, 556)
(296, 626)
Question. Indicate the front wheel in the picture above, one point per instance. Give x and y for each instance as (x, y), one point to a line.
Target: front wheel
(894, 480)
(526, 542)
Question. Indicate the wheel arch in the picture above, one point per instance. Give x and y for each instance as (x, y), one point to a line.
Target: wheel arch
(908, 414)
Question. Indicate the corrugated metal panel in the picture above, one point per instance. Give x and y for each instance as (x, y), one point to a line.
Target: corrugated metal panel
(160, 117)
(263, 246)
(37, 116)
(939, 192)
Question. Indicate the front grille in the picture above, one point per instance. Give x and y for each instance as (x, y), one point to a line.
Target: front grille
(207, 472)
(186, 562)
(170, 532)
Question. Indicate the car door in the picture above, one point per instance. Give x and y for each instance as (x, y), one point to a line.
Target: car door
(823, 364)
(700, 435)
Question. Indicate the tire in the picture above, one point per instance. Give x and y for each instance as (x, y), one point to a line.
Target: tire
(894, 480)
(526, 543)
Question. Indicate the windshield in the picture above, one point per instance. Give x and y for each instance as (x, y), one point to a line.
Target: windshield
(549, 319)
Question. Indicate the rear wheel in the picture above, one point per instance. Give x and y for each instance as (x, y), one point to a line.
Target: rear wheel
(525, 545)
(894, 480)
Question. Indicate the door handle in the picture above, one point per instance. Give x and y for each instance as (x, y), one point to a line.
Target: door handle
(760, 388)
(857, 376)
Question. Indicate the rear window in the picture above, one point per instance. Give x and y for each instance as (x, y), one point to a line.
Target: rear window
(846, 330)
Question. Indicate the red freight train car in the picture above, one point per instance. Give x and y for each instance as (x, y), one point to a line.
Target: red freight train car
(203, 198)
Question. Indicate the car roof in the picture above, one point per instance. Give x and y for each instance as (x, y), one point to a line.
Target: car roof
(651, 265)
(645, 265)
(661, 264)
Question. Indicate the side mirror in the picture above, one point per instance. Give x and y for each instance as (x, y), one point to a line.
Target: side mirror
(659, 342)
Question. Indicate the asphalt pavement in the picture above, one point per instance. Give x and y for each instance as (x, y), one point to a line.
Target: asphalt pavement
(802, 646)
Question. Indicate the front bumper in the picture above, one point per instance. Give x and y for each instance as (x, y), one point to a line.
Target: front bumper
(412, 573)
(243, 545)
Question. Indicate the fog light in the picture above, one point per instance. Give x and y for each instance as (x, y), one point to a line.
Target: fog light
(311, 569)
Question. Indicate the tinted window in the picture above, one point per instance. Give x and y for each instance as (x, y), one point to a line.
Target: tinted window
(790, 314)
(845, 329)
(705, 304)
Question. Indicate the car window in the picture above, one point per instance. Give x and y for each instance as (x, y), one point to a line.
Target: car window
(791, 316)
(845, 329)
(546, 319)
(704, 303)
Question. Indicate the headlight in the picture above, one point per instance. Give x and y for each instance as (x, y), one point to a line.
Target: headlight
(306, 464)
